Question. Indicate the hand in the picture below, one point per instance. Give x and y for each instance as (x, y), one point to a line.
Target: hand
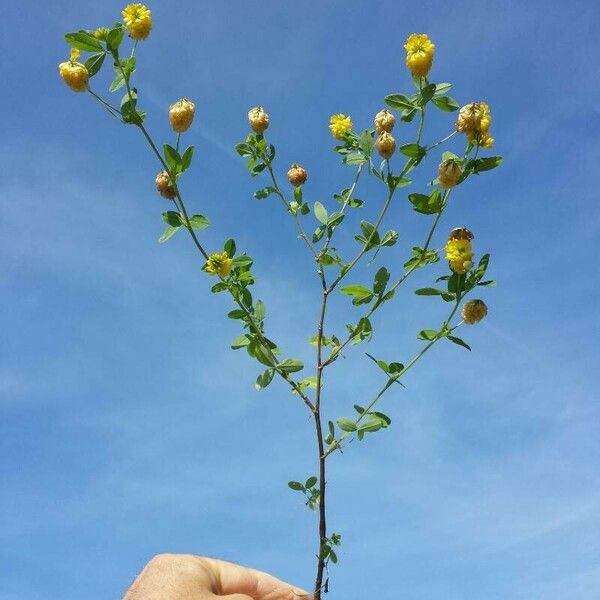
(188, 577)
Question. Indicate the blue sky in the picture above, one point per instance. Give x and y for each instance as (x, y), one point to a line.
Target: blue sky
(127, 425)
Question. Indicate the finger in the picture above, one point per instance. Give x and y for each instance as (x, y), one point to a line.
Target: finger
(234, 579)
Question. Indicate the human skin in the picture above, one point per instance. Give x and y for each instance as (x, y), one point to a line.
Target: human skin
(189, 577)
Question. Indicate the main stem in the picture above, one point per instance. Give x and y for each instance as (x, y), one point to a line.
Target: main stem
(319, 431)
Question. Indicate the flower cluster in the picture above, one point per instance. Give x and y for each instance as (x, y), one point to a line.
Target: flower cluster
(384, 121)
(258, 119)
(74, 74)
(164, 186)
(459, 251)
(449, 173)
(340, 125)
(419, 54)
(474, 121)
(181, 115)
(219, 263)
(297, 175)
(138, 20)
(473, 311)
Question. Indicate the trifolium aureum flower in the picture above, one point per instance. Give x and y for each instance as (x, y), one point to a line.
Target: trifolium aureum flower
(384, 121)
(340, 125)
(459, 250)
(181, 115)
(297, 175)
(164, 186)
(419, 54)
(474, 121)
(138, 20)
(258, 119)
(101, 33)
(219, 264)
(473, 311)
(385, 144)
(74, 74)
(449, 172)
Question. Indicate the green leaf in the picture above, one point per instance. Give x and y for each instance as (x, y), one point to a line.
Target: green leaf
(426, 94)
(381, 279)
(488, 163)
(241, 341)
(244, 150)
(229, 247)
(291, 365)
(489, 282)
(456, 283)
(172, 158)
(458, 341)
(427, 204)
(355, 158)
(199, 222)
(389, 238)
(94, 62)
(428, 334)
(399, 102)
(366, 142)
(311, 481)
(355, 290)
(114, 38)
(396, 181)
(428, 292)
(172, 218)
(446, 103)
(264, 192)
(237, 314)
(260, 310)
(321, 213)
(370, 236)
(123, 70)
(168, 233)
(346, 424)
(335, 219)
(264, 379)
(442, 88)
(296, 485)
(186, 158)
(242, 261)
(408, 115)
(128, 108)
(362, 331)
(413, 150)
(333, 556)
(319, 232)
(82, 40)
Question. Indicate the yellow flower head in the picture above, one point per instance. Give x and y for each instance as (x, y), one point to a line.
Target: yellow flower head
(386, 145)
(297, 175)
(74, 74)
(164, 186)
(101, 33)
(449, 172)
(459, 251)
(419, 53)
(340, 125)
(384, 121)
(474, 121)
(258, 119)
(138, 20)
(219, 264)
(181, 115)
(473, 311)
